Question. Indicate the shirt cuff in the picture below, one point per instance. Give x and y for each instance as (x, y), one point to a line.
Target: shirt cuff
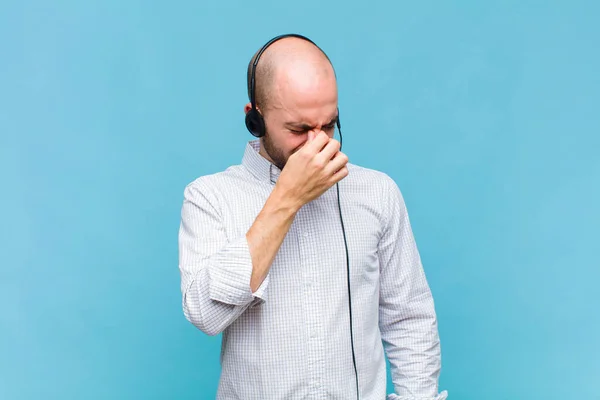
(230, 273)
(442, 396)
(260, 296)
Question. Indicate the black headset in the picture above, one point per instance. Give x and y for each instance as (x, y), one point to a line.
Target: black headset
(254, 120)
(256, 125)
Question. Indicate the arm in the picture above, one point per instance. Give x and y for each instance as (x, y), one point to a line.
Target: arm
(220, 278)
(407, 316)
(267, 233)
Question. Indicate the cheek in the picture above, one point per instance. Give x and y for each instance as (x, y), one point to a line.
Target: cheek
(295, 143)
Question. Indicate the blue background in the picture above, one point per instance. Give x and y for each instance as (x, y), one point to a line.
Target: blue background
(485, 113)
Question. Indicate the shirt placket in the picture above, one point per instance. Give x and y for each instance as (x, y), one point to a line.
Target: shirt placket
(311, 287)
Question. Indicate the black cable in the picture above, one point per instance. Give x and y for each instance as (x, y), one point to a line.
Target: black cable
(348, 275)
(255, 124)
(349, 295)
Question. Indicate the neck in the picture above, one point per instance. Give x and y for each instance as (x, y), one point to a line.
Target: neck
(263, 152)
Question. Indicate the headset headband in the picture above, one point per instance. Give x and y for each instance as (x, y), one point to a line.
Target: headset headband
(252, 82)
(254, 120)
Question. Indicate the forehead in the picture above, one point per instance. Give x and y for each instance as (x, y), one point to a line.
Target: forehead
(311, 98)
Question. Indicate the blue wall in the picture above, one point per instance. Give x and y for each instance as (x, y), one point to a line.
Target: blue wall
(487, 116)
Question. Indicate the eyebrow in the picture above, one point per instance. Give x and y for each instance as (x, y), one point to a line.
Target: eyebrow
(306, 127)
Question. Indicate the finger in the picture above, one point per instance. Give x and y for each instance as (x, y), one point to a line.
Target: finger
(329, 151)
(317, 143)
(339, 175)
(339, 161)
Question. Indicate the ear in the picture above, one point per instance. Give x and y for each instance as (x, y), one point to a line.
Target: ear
(247, 107)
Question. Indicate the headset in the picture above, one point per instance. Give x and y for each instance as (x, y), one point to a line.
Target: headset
(256, 125)
(254, 120)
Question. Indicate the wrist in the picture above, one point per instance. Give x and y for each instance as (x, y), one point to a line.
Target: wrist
(281, 202)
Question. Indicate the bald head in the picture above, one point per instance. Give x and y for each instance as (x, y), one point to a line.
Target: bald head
(289, 64)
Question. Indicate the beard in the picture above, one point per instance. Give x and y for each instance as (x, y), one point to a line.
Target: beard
(274, 152)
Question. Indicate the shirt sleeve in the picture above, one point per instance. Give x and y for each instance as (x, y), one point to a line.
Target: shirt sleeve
(408, 322)
(215, 272)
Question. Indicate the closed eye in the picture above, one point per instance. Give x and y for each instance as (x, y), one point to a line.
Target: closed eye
(303, 128)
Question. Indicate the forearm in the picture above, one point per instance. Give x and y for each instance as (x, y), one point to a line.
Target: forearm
(267, 233)
(221, 278)
(215, 270)
(216, 286)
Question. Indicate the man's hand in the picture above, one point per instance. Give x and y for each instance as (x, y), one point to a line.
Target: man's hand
(308, 173)
(313, 169)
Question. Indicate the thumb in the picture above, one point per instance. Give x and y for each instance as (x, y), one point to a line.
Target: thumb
(311, 136)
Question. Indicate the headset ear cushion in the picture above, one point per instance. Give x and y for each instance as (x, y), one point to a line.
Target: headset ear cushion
(255, 123)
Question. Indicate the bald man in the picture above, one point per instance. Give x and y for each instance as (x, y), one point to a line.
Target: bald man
(263, 257)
